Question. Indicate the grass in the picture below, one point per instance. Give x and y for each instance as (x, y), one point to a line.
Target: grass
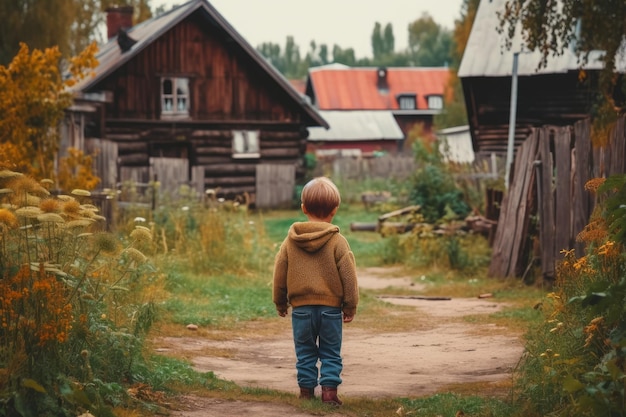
(235, 304)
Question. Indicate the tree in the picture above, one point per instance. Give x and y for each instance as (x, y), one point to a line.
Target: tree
(455, 112)
(551, 27)
(39, 24)
(344, 56)
(383, 41)
(271, 52)
(70, 25)
(34, 98)
(429, 44)
(315, 57)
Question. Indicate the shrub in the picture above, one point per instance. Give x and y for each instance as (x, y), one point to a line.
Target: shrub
(575, 360)
(75, 303)
(434, 188)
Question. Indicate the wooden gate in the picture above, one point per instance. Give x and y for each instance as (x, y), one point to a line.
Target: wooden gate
(275, 185)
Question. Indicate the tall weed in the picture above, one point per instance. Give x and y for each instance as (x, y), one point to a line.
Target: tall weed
(75, 302)
(575, 361)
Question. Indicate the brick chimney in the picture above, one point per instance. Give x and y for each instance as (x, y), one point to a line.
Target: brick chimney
(381, 80)
(119, 17)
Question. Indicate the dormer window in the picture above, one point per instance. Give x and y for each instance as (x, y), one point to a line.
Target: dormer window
(407, 101)
(174, 97)
(435, 102)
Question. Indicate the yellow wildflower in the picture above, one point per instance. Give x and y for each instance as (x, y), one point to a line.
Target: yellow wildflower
(141, 234)
(594, 183)
(136, 255)
(50, 218)
(29, 212)
(80, 192)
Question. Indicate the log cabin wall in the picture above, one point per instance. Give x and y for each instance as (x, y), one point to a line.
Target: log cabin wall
(227, 92)
(564, 100)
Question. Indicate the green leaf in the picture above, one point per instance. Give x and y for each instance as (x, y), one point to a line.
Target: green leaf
(32, 384)
(571, 384)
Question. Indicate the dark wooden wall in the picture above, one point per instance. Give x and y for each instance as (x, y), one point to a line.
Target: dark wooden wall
(553, 99)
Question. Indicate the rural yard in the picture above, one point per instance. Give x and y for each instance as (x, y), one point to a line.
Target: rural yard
(446, 352)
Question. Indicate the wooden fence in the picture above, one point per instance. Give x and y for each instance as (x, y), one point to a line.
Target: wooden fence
(550, 171)
(359, 168)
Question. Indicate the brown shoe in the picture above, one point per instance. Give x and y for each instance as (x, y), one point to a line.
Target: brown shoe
(329, 396)
(307, 393)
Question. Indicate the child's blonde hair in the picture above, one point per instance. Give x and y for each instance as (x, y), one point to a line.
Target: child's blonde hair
(320, 197)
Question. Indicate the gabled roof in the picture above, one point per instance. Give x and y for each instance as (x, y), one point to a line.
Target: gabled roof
(357, 125)
(338, 87)
(486, 55)
(111, 57)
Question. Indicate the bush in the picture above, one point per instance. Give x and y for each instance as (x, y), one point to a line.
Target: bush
(575, 360)
(75, 303)
(434, 188)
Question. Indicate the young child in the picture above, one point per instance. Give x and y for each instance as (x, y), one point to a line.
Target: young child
(315, 274)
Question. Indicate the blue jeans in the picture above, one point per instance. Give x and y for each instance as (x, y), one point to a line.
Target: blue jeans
(317, 335)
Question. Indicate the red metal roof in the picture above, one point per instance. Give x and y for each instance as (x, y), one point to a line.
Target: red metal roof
(346, 88)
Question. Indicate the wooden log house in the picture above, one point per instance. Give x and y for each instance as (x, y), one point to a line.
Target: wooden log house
(184, 99)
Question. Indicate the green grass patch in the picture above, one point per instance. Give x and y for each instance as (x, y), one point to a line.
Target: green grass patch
(450, 404)
(219, 301)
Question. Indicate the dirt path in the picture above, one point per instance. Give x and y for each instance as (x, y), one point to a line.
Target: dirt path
(376, 365)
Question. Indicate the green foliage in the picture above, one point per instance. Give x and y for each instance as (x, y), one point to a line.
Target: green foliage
(383, 41)
(66, 24)
(227, 238)
(162, 373)
(465, 253)
(430, 45)
(434, 188)
(75, 303)
(34, 98)
(587, 26)
(614, 190)
(575, 361)
(454, 112)
(450, 404)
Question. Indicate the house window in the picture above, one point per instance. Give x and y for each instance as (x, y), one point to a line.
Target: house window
(406, 102)
(246, 144)
(435, 102)
(175, 96)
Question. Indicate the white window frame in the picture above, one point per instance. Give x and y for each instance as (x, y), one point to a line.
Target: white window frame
(175, 103)
(246, 144)
(435, 102)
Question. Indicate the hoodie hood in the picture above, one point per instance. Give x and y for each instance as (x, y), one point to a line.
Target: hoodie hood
(312, 236)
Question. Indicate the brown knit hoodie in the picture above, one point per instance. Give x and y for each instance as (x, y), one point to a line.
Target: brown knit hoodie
(315, 266)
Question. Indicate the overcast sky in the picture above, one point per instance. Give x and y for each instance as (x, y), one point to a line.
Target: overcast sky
(347, 23)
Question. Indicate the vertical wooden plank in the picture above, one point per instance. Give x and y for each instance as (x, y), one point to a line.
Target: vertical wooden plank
(171, 173)
(564, 212)
(513, 221)
(275, 185)
(546, 206)
(105, 160)
(197, 180)
(581, 171)
(617, 146)
(526, 174)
